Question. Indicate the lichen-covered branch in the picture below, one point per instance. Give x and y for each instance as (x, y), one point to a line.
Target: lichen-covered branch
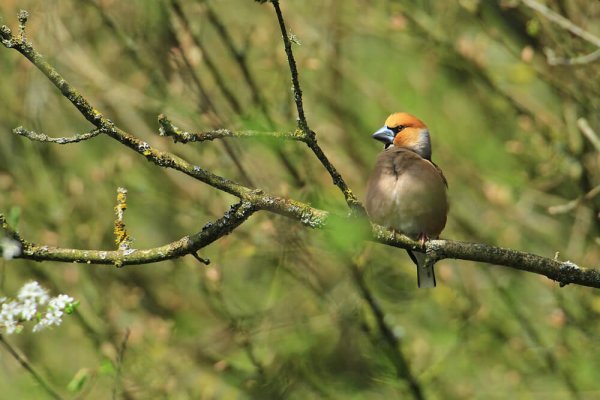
(42, 137)
(209, 233)
(252, 200)
(168, 129)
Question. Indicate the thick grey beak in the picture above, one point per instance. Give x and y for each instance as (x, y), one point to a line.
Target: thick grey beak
(385, 135)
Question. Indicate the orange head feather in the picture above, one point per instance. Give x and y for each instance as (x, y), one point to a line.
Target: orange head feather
(405, 130)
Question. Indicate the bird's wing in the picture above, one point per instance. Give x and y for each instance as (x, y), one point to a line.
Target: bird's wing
(439, 170)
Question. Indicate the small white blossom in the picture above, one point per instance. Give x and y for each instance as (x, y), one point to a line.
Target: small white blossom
(53, 316)
(8, 316)
(25, 308)
(11, 327)
(28, 309)
(9, 309)
(10, 248)
(61, 301)
(33, 291)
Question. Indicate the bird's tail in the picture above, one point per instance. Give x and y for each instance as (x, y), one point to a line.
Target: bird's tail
(425, 275)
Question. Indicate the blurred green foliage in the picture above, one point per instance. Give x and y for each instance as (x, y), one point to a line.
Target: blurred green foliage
(280, 312)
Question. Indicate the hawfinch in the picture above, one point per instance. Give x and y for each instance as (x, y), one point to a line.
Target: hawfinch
(407, 191)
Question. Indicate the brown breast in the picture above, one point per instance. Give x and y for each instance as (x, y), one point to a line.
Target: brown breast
(407, 193)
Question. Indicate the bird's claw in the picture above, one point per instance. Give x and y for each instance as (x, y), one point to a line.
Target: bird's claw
(423, 238)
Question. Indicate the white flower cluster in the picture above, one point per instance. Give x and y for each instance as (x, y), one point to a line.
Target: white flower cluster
(13, 313)
(10, 248)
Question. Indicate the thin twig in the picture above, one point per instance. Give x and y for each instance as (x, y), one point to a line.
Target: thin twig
(119, 362)
(563, 22)
(287, 43)
(395, 354)
(129, 44)
(206, 57)
(589, 133)
(29, 368)
(168, 129)
(205, 98)
(549, 359)
(552, 59)
(311, 138)
(239, 57)
(212, 231)
(253, 200)
(41, 137)
(571, 205)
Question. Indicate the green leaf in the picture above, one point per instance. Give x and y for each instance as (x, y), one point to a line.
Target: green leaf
(70, 308)
(107, 367)
(79, 380)
(13, 217)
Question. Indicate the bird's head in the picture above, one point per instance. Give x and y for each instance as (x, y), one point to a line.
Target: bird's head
(405, 130)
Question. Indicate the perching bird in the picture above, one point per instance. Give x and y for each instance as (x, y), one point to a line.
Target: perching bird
(407, 191)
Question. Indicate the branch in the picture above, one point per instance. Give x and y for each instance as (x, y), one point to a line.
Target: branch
(552, 59)
(589, 133)
(563, 22)
(563, 272)
(29, 368)
(311, 137)
(234, 217)
(254, 200)
(239, 57)
(396, 356)
(41, 137)
(287, 43)
(571, 205)
(168, 129)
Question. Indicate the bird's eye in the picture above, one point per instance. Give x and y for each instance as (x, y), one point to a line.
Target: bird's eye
(396, 129)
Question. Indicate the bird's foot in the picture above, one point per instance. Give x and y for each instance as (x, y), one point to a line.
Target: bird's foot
(423, 238)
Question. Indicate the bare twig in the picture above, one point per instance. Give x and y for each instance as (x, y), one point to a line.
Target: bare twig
(119, 364)
(253, 200)
(212, 231)
(302, 123)
(395, 354)
(563, 22)
(41, 137)
(548, 358)
(589, 133)
(128, 43)
(239, 56)
(206, 57)
(204, 261)
(571, 205)
(29, 368)
(205, 103)
(168, 129)
(311, 138)
(580, 60)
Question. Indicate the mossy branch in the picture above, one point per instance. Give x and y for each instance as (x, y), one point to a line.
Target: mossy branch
(252, 200)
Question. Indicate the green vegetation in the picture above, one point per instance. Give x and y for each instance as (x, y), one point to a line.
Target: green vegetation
(283, 311)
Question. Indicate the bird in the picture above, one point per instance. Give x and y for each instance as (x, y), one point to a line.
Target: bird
(406, 191)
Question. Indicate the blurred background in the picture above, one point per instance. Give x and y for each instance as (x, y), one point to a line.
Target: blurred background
(280, 312)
